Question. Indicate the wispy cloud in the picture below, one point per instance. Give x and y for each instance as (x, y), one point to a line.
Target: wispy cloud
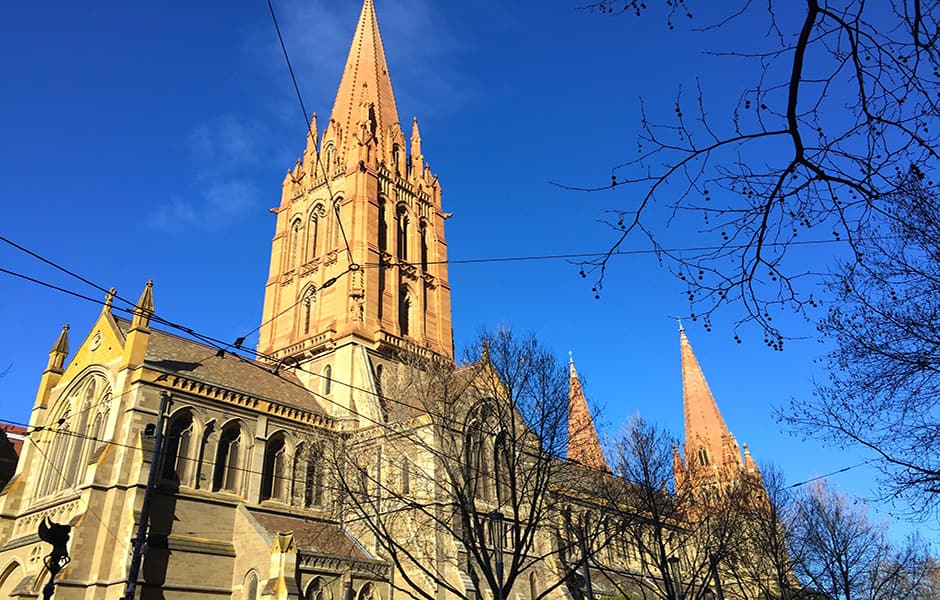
(421, 46)
(217, 207)
(223, 149)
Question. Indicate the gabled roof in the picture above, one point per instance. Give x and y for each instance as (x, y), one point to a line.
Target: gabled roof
(170, 353)
(314, 536)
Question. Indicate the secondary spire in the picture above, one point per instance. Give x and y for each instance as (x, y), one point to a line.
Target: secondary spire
(707, 438)
(583, 444)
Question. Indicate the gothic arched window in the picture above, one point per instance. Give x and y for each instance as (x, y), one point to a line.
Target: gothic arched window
(273, 474)
(404, 311)
(250, 587)
(396, 159)
(330, 157)
(313, 228)
(327, 380)
(294, 242)
(402, 227)
(177, 459)
(424, 247)
(228, 459)
(383, 227)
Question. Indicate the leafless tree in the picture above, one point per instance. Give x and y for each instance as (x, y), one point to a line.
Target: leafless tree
(459, 489)
(884, 388)
(838, 552)
(680, 536)
(814, 149)
(761, 561)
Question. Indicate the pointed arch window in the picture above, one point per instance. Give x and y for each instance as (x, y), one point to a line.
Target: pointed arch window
(327, 380)
(177, 459)
(307, 476)
(383, 226)
(424, 247)
(313, 229)
(314, 590)
(379, 375)
(228, 459)
(402, 226)
(404, 312)
(273, 474)
(337, 224)
(250, 588)
(306, 309)
(396, 159)
(703, 457)
(294, 245)
(329, 159)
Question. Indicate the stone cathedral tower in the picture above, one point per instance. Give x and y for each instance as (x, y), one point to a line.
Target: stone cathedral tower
(358, 261)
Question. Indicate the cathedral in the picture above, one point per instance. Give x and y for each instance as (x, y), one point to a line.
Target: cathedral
(207, 475)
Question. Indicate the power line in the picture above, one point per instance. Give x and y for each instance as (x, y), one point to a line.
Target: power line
(309, 126)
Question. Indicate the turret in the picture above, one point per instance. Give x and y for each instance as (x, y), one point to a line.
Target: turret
(417, 159)
(138, 336)
(60, 350)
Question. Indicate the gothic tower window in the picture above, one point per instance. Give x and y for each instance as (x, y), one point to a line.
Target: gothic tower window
(383, 227)
(294, 243)
(313, 228)
(402, 224)
(396, 159)
(306, 309)
(273, 475)
(424, 247)
(404, 310)
(383, 406)
(228, 459)
(327, 380)
(330, 157)
(337, 226)
(703, 457)
(177, 462)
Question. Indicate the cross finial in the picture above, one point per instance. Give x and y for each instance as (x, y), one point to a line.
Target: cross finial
(570, 356)
(679, 320)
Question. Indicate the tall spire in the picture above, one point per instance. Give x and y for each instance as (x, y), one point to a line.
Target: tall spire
(705, 429)
(583, 445)
(365, 81)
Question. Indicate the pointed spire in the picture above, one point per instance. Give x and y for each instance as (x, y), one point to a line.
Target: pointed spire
(365, 81)
(59, 351)
(750, 465)
(583, 444)
(705, 429)
(417, 159)
(312, 136)
(144, 309)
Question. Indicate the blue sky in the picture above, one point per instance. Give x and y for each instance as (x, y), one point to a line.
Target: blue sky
(145, 142)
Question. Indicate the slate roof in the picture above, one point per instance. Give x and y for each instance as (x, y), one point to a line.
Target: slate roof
(173, 354)
(314, 536)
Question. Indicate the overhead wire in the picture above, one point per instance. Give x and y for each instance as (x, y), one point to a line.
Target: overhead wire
(88, 506)
(308, 124)
(224, 346)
